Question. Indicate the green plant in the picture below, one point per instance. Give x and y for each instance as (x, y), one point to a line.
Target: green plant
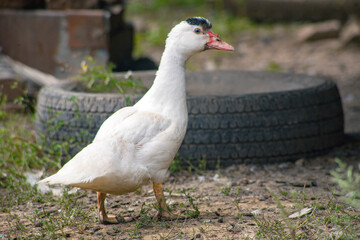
(202, 162)
(274, 67)
(176, 165)
(349, 182)
(191, 213)
(20, 154)
(320, 223)
(98, 78)
(225, 190)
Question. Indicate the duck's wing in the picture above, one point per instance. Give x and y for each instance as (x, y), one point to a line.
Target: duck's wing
(114, 151)
(91, 162)
(138, 127)
(111, 122)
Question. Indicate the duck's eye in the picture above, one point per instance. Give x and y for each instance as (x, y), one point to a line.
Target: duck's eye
(197, 30)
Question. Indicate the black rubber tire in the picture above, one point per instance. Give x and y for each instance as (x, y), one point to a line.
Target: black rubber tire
(275, 117)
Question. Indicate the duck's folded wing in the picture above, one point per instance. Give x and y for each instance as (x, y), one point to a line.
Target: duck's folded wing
(91, 162)
(113, 150)
(139, 127)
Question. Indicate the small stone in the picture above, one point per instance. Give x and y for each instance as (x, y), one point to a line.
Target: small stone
(216, 177)
(136, 203)
(237, 228)
(201, 178)
(256, 212)
(220, 220)
(111, 233)
(302, 212)
(66, 231)
(300, 162)
(53, 210)
(282, 182)
(264, 198)
(244, 181)
(96, 228)
(198, 235)
(207, 221)
(283, 166)
(229, 227)
(120, 218)
(247, 214)
(128, 219)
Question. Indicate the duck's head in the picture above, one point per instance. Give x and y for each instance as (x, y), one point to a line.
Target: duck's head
(195, 35)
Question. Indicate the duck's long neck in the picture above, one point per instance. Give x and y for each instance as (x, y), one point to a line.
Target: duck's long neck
(167, 94)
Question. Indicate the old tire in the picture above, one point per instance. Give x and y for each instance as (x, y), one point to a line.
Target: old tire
(234, 116)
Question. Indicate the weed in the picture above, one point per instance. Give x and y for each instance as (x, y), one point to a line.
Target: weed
(192, 168)
(349, 182)
(225, 190)
(176, 165)
(144, 218)
(283, 193)
(3, 113)
(98, 78)
(202, 163)
(274, 67)
(323, 221)
(19, 154)
(218, 164)
(191, 213)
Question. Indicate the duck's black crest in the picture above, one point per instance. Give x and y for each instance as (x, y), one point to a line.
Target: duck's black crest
(199, 21)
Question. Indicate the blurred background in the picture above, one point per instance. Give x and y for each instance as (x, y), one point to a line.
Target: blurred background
(316, 37)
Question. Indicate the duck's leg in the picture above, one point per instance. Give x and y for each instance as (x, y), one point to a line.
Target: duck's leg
(103, 217)
(163, 209)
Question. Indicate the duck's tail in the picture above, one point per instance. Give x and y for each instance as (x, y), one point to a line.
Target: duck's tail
(53, 179)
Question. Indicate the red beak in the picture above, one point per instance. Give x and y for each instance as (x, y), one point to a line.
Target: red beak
(216, 43)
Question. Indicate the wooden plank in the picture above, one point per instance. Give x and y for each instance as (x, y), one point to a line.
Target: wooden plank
(32, 74)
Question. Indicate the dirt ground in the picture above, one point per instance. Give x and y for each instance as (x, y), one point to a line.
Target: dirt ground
(227, 199)
(219, 209)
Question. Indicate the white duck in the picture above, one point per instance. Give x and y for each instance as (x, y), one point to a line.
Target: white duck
(136, 144)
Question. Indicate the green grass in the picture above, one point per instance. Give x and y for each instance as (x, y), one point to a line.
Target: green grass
(20, 153)
(330, 220)
(274, 67)
(348, 180)
(97, 78)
